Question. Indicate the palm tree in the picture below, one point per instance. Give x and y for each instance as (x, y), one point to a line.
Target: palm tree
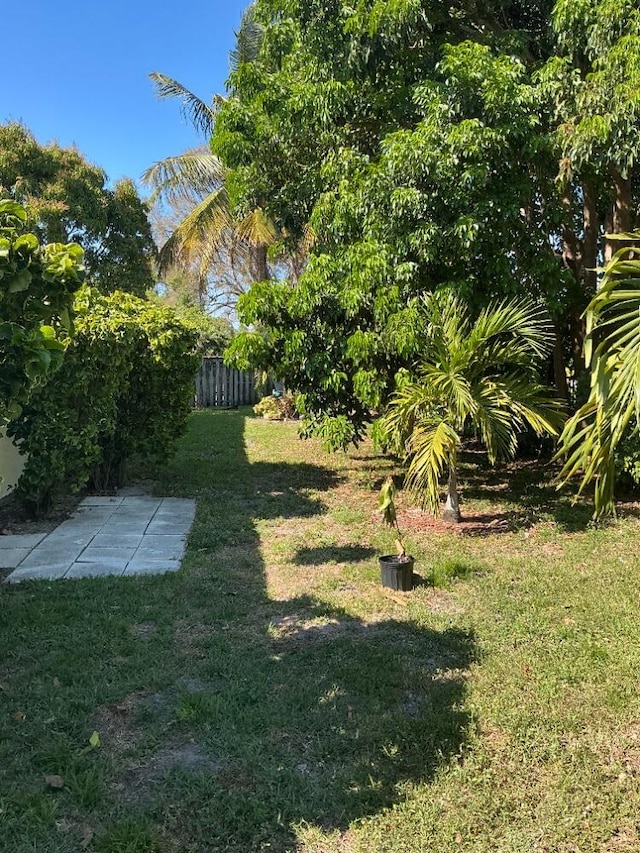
(197, 179)
(480, 373)
(612, 352)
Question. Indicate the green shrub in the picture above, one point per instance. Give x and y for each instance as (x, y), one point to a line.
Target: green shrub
(36, 291)
(277, 408)
(125, 387)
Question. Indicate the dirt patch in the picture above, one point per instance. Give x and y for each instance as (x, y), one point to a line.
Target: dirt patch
(477, 524)
(190, 638)
(625, 751)
(300, 630)
(115, 723)
(139, 781)
(14, 519)
(441, 601)
(143, 630)
(624, 840)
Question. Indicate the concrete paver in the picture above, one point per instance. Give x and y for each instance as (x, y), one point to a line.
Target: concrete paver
(151, 567)
(21, 540)
(96, 569)
(10, 558)
(107, 535)
(48, 573)
(125, 540)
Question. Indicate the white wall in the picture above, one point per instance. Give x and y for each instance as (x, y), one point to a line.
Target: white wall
(11, 464)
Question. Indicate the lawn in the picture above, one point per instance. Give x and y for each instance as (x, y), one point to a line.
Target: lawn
(272, 696)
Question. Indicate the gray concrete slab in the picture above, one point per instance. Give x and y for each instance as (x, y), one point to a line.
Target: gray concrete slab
(132, 535)
(167, 527)
(102, 500)
(124, 527)
(41, 573)
(116, 540)
(44, 556)
(20, 540)
(151, 567)
(176, 504)
(68, 538)
(10, 558)
(96, 570)
(142, 502)
(169, 547)
(105, 555)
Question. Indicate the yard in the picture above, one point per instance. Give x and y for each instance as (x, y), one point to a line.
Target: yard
(272, 696)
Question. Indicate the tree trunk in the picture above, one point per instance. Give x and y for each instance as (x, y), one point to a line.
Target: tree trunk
(259, 263)
(451, 511)
(590, 242)
(559, 366)
(619, 218)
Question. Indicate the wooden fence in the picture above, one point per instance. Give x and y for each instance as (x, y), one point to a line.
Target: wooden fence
(219, 385)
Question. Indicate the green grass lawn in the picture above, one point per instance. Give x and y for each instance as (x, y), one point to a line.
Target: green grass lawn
(272, 696)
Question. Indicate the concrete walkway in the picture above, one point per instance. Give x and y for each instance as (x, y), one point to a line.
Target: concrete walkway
(123, 536)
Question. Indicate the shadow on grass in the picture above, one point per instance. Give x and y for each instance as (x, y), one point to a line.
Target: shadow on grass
(527, 491)
(318, 717)
(228, 719)
(333, 554)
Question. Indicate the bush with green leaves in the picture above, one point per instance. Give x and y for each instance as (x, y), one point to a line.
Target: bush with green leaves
(37, 284)
(274, 408)
(125, 388)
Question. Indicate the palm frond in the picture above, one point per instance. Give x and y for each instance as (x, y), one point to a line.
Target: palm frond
(248, 39)
(451, 387)
(257, 229)
(203, 228)
(201, 115)
(190, 176)
(506, 405)
(612, 350)
(433, 447)
(511, 331)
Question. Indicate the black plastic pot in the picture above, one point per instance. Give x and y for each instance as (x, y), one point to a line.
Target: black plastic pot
(396, 572)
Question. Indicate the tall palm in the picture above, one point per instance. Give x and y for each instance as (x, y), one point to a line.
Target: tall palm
(198, 178)
(612, 352)
(478, 373)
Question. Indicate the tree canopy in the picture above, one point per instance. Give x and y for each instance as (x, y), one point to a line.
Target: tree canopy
(69, 201)
(482, 147)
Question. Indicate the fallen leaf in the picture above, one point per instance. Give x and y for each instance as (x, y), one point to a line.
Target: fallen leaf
(54, 781)
(87, 837)
(56, 682)
(19, 716)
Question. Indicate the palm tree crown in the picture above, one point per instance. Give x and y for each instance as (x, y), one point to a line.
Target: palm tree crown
(481, 373)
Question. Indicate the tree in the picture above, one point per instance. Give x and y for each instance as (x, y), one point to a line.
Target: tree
(590, 86)
(612, 411)
(489, 147)
(481, 374)
(446, 203)
(68, 201)
(37, 284)
(214, 233)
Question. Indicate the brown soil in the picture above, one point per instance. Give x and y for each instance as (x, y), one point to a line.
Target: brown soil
(477, 524)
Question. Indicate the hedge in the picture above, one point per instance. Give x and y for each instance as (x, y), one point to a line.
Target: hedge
(125, 388)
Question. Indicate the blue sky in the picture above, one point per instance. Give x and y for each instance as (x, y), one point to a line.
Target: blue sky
(77, 73)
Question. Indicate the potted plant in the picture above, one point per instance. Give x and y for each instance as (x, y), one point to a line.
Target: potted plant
(396, 570)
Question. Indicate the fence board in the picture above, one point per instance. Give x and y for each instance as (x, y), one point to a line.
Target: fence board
(219, 385)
